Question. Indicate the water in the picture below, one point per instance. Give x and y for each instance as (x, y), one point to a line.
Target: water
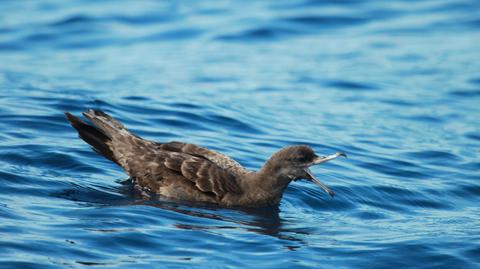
(395, 84)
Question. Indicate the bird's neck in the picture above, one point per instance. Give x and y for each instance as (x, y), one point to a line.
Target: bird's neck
(269, 181)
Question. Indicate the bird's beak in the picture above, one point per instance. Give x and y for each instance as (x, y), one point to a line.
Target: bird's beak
(313, 179)
(320, 160)
(323, 159)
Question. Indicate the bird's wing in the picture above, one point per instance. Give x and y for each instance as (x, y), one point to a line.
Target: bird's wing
(211, 172)
(217, 158)
(207, 176)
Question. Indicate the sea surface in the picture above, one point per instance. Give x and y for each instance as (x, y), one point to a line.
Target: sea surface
(394, 84)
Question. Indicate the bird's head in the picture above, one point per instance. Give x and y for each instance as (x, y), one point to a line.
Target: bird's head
(293, 163)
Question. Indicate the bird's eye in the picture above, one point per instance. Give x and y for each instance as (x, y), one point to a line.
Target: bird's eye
(300, 159)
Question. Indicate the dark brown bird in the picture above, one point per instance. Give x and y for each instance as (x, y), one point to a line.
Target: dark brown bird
(192, 173)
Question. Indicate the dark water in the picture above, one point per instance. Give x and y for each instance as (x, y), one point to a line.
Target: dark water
(395, 84)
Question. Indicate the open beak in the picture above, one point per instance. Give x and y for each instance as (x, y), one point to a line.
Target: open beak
(323, 159)
(320, 160)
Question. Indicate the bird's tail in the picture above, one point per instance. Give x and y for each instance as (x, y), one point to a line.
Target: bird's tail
(101, 134)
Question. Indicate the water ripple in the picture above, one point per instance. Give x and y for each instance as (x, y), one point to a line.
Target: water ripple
(262, 33)
(73, 20)
(326, 21)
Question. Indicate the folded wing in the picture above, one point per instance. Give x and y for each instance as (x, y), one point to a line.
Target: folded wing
(207, 176)
(217, 158)
(150, 162)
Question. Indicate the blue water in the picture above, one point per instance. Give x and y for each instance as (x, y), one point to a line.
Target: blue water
(394, 84)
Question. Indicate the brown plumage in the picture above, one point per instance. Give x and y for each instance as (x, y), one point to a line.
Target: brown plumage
(192, 173)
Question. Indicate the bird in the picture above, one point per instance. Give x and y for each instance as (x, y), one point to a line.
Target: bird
(191, 173)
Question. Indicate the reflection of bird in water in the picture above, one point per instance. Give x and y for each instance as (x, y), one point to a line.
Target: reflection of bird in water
(192, 173)
(266, 220)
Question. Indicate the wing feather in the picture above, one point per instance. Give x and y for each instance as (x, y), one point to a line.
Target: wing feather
(206, 175)
(217, 158)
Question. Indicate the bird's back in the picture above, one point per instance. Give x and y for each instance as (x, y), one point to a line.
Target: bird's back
(174, 169)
